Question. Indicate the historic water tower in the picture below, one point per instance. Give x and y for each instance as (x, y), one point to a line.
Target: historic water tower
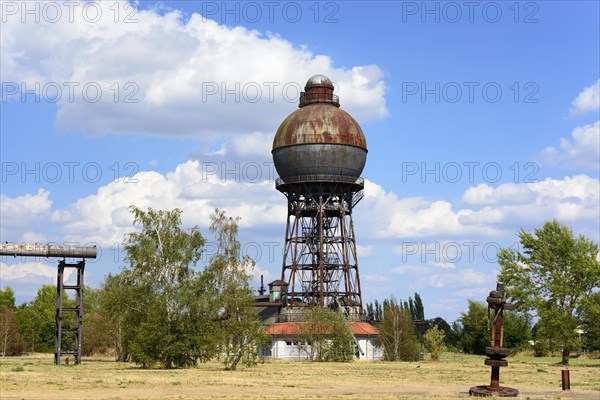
(319, 152)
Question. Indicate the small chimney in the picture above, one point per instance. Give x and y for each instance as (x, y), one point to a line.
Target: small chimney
(261, 289)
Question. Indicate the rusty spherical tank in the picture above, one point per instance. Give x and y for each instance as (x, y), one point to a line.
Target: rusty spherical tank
(319, 139)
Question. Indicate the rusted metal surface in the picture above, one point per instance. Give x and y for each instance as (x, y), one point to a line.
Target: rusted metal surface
(566, 379)
(267, 304)
(319, 139)
(46, 250)
(318, 97)
(318, 89)
(319, 123)
(496, 352)
(75, 332)
(331, 161)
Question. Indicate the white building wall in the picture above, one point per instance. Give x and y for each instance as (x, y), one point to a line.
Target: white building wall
(286, 349)
(371, 348)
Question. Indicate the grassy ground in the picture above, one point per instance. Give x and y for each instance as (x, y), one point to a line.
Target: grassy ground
(35, 377)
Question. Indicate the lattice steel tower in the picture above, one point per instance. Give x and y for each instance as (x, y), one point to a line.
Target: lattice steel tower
(319, 152)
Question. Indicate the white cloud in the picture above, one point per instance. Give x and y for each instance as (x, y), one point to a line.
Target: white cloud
(414, 217)
(26, 275)
(430, 230)
(508, 193)
(571, 200)
(456, 278)
(433, 275)
(104, 218)
(442, 264)
(410, 269)
(254, 145)
(440, 254)
(587, 100)
(581, 151)
(365, 250)
(256, 272)
(447, 306)
(179, 71)
(27, 210)
(375, 278)
(491, 212)
(27, 272)
(27, 205)
(473, 293)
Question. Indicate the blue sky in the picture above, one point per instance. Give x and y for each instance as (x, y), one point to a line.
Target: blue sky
(481, 118)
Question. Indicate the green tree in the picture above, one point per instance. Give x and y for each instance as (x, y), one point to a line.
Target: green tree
(153, 314)
(517, 330)
(7, 298)
(417, 311)
(370, 311)
(552, 276)
(162, 253)
(118, 301)
(475, 335)
(433, 340)
(378, 311)
(591, 322)
(10, 339)
(240, 329)
(327, 335)
(474, 329)
(162, 311)
(37, 320)
(96, 335)
(397, 332)
(444, 326)
(456, 334)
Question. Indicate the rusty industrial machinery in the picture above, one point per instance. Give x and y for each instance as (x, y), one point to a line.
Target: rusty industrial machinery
(64, 252)
(319, 152)
(496, 352)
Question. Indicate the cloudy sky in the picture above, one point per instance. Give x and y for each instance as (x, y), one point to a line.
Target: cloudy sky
(481, 118)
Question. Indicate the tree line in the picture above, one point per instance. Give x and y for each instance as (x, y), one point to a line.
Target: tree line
(161, 309)
(554, 282)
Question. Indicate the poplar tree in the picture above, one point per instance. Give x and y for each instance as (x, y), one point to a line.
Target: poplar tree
(397, 332)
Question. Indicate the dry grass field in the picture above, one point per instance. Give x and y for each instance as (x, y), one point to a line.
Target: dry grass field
(35, 377)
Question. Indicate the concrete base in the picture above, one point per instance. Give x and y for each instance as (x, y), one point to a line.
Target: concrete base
(486, 391)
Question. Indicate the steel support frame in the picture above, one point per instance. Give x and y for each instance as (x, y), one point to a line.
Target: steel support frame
(77, 330)
(320, 260)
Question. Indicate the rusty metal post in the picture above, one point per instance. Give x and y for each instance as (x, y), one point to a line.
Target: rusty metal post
(566, 380)
(59, 310)
(496, 352)
(77, 330)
